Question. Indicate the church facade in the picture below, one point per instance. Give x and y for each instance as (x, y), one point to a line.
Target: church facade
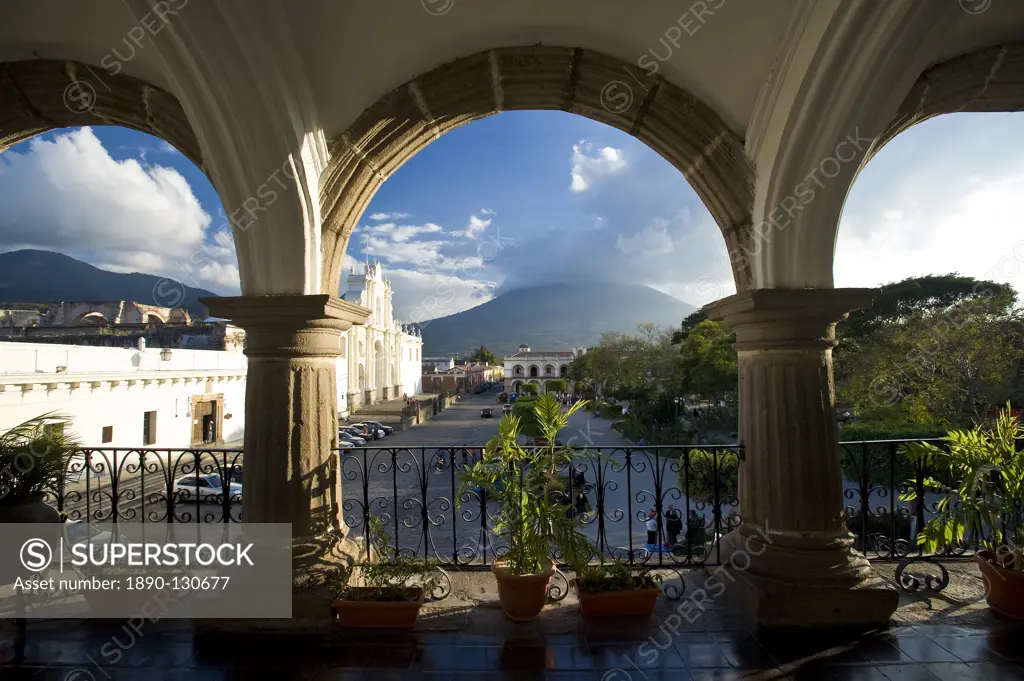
(381, 359)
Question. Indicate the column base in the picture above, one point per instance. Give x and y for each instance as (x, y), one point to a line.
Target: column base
(804, 579)
(775, 604)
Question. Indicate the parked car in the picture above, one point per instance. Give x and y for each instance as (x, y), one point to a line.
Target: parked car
(380, 426)
(346, 444)
(205, 488)
(235, 474)
(486, 413)
(352, 435)
(506, 408)
(370, 432)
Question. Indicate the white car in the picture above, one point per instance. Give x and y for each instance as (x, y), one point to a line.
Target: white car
(205, 488)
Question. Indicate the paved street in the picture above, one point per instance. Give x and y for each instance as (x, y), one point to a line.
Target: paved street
(407, 484)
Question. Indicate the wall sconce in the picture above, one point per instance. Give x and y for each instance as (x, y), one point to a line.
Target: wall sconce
(165, 354)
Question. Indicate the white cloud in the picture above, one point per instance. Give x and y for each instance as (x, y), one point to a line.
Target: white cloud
(389, 216)
(475, 226)
(420, 296)
(400, 233)
(69, 195)
(944, 196)
(586, 169)
(653, 240)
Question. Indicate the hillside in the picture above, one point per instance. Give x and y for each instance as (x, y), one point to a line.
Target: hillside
(554, 317)
(31, 276)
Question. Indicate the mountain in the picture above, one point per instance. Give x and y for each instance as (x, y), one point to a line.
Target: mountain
(553, 317)
(31, 276)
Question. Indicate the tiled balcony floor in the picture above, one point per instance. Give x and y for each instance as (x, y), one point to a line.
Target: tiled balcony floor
(93, 651)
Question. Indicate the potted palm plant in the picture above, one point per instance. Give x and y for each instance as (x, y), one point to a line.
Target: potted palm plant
(985, 499)
(533, 505)
(34, 459)
(394, 587)
(612, 590)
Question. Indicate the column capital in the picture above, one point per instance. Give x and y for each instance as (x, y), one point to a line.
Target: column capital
(290, 325)
(788, 318)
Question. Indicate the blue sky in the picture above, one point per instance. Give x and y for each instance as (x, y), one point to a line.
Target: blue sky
(567, 199)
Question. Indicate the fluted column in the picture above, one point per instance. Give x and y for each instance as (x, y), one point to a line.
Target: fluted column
(798, 561)
(292, 472)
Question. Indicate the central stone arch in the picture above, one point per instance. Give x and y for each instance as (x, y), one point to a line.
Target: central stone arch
(671, 121)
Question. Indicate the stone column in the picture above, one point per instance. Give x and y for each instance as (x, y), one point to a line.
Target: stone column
(291, 416)
(792, 556)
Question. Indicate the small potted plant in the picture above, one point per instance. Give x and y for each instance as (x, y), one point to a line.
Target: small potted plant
(533, 505)
(34, 460)
(985, 500)
(393, 589)
(612, 590)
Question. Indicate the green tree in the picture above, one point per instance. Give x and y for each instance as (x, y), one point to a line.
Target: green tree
(482, 354)
(938, 366)
(708, 362)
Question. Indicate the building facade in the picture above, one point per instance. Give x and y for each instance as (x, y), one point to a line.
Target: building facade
(382, 358)
(539, 368)
(122, 397)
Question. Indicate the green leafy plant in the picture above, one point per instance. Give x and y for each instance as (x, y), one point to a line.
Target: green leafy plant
(614, 576)
(707, 471)
(34, 458)
(393, 576)
(533, 501)
(985, 493)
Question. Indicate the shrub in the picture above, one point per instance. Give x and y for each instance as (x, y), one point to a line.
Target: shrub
(698, 479)
(610, 411)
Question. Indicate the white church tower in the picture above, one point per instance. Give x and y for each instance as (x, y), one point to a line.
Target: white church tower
(380, 359)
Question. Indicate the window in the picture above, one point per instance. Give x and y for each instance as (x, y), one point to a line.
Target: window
(108, 434)
(148, 428)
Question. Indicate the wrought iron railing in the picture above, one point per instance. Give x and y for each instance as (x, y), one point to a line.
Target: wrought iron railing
(416, 492)
(152, 485)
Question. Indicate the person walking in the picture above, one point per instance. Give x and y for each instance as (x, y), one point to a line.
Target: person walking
(675, 525)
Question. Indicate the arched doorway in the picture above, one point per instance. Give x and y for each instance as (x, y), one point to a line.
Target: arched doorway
(380, 371)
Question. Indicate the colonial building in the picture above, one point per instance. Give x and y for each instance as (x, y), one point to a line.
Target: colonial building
(381, 358)
(126, 397)
(539, 368)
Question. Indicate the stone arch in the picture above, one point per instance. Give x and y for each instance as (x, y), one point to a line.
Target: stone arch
(518, 370)
(517, 386)
(671, 121)
(549, 369)
(989, 80)
(153, 318)
(534, 371)
(40, 95)
(563, 370)
(361, 376)
(91, 319)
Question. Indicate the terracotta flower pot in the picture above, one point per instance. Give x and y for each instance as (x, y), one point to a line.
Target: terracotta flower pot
(1005, 586)
(625, 603)
(379, 614)
(522, 596)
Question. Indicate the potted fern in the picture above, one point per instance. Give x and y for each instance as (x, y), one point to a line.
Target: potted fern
(394, 587)
(985, 499)
(612, 590)
(533, 505)
(34, 460)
